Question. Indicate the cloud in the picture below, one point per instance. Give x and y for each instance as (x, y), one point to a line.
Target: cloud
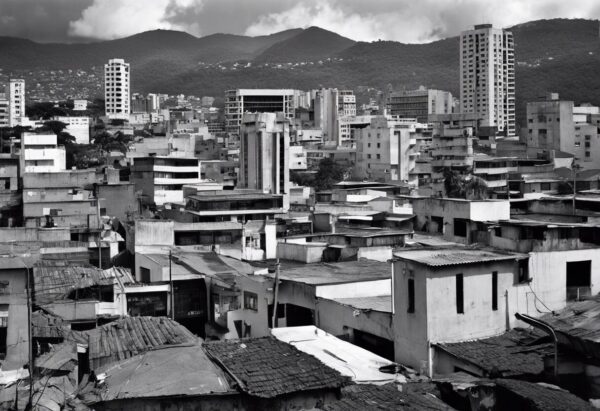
(413, 21)
(111, 19)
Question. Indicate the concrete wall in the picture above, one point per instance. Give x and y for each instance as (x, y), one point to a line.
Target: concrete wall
(17, 340)
(154, 233)
(357, 289)
(118, 200)
(257, 320)
(337, 318)
(306, 253)
(436, 319)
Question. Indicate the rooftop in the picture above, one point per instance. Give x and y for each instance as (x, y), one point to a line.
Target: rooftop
(542, 397)
(360, 365)
(336, 273)
(441, 257)
(267, 367)
(413, 396)
(130, 336)
(171, 371)
(517, 352)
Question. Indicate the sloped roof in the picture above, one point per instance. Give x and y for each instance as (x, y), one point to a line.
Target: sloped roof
(514, 353)
(413, 396)
(130, 336)
(183, 370)
(47, 325)
(381, 303)
(336, 273)
(56, 279)
(266, 367)
(578, 325)
(360, 365)
(541, 397)
(440, 257)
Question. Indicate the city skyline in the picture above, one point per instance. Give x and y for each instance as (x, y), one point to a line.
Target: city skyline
(404, 21)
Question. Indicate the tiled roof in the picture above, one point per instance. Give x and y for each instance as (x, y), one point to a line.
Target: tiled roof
(130, 336)
(56, 279)
(513, 353)
(440, 257)
(537, 397)
(266, 367)
(413, 396)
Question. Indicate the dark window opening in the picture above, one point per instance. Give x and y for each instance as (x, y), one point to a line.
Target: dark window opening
(579, 279)
(460, 227)
(495, 291)
(460, 298)
(145, 274)
(411, 295)
(523, 266)
(250, 301)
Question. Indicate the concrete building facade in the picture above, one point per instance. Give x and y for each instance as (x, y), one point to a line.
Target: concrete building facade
(40, 153)
(116, 89)
(264, 153)
(487, 77)
(241, 101)
(15, 92)
(419, 103)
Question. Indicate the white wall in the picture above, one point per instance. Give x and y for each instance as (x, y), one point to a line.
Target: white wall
(357, 289)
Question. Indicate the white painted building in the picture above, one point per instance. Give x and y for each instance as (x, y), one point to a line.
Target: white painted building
(487, 77)
(4, 111)
(15, 91)
(78, 127)
(297, 158)
(40, 153)
(265, 153)
(80, 105)
(116, 89)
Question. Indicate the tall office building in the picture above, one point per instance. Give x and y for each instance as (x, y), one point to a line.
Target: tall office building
(264, 153)
(487, 77)
(241, 101)
(15, 92)
(116, 89)
(330, 106)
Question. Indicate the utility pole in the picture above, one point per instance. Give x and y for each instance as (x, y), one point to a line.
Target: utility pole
(276, 295)
(99, 232)
(29, 337)
(172, 292)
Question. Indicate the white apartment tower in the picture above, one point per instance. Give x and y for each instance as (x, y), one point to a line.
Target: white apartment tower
(487, 77)
(15, 92)
(116, 89)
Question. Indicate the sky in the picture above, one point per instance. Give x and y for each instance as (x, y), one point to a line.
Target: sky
(409, 21)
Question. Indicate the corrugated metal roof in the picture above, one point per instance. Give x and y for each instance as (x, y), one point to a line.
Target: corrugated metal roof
(453, 256)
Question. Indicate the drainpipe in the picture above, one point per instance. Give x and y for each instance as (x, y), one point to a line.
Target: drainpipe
(546, 328)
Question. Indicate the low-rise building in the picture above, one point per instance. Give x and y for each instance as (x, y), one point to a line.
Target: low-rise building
(161, 179)
(41, 153)
(11, 201)
(78, 127)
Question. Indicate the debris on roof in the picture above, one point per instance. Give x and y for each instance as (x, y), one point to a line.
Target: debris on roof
(266, 367)
(46, 324)
(130, 336)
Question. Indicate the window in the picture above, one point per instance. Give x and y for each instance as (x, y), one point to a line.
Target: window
(587, 153)
(495, 291)
(250, 301)
(460, 298)
(524, 270)
(460, 227)
(145, 274)
(4, 287)
(411, 295)
(545, 186)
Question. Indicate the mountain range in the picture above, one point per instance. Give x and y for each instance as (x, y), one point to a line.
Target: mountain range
(558, 55)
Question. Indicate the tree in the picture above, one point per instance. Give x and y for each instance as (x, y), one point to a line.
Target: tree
(112, 142)
(476, 189)
(328, 174)
(453, 183)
